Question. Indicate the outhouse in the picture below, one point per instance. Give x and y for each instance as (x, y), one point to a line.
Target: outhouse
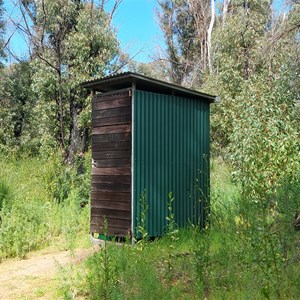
(149, 138)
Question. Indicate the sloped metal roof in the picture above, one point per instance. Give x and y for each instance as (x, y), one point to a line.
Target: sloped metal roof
(141, 82)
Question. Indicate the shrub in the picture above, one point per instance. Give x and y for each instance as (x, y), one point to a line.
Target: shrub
(5, 195)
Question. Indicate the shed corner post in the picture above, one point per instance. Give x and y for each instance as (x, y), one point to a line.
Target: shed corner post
(92, 162)
(132, 162)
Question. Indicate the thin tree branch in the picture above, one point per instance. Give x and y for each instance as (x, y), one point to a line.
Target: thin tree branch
(31, 16)
(127, 62)
(47, 62)
(8, 40)
(116, 5)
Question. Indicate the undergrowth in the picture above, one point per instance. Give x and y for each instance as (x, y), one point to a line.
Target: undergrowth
(249, 251)
(38, 203)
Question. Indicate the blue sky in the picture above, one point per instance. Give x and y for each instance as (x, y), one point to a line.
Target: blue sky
(137, 28)
(135, 21)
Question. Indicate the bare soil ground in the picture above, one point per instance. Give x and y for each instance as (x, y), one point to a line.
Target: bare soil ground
(35, 277)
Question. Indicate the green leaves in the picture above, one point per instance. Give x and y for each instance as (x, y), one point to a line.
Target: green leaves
(264, 141)
(256, 126)
(73, 42)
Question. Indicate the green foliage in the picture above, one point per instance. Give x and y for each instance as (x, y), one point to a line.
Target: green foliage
(43, 107)
(17, 131)
(183, 44)
(249, 251)
(5, 195)
(201, 259)
(82, 44)
(102, 271)
(256, 126)
(286, 200)
(2, 28)
(30, 217)
(172, 232)
(142, 233)
(23, 229)
(265, 141)
(61, 180)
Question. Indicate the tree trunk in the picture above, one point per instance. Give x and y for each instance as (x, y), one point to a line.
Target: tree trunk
(209, 32)
(75, 139)
(61, 112)
(225, 10)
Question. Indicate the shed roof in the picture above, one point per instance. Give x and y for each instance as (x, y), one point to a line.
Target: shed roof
(141, 82)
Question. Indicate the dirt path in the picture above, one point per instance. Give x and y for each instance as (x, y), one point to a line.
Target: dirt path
(34, 277)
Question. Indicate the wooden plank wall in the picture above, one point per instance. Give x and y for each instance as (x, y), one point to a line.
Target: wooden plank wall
(111, 172)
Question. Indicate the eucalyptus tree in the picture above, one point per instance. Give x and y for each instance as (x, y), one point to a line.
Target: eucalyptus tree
(71, 41)
(255, 63)
(2, 55)
(187, 26)
(17, 100)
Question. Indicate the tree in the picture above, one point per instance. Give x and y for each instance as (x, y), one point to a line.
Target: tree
(187, 26)
(17, 100)
(2, 55)
(255, 73)
(71, 41)
(203, 13)
(236, 48)
(177, 25)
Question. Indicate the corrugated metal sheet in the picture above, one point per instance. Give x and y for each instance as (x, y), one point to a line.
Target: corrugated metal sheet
(128, 79)
(171, 154)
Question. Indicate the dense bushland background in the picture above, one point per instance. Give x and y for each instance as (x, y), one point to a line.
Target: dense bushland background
(246, 52)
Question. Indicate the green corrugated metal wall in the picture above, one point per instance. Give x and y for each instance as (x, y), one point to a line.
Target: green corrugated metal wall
(171, 154)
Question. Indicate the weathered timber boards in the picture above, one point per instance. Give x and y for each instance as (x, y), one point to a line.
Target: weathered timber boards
(111, 146)
(120, 223)
(103, 97)
(116, 179)
(111, 187)
(125, 153)
(111, 172)
(118, 120)
(115, 137)
(112, 129)
(109, 196)
(110, 163)
(112, 231)
(116, 205)
(110, 104)
(111, 213)
(111, 112)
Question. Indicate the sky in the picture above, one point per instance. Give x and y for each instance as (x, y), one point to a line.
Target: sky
(138, 29)
(135, 21)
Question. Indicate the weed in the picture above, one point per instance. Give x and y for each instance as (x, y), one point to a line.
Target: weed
(5, 195)
(142, 233)
(102, 276)
(172, 232)
(29, 216)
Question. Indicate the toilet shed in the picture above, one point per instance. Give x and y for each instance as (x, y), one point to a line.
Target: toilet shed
(149, 138)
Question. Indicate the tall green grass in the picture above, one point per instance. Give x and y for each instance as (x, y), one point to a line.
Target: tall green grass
(38, 203)
(249, 251)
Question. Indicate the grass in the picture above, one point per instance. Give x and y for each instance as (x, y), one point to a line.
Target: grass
(38, 203)
(247, 252)
(224, 271)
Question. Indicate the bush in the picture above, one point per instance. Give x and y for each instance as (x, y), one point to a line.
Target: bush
(5, 195)
(23, 228)
(40, 204)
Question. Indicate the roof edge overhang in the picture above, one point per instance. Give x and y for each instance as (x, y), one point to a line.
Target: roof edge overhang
(141, 82)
